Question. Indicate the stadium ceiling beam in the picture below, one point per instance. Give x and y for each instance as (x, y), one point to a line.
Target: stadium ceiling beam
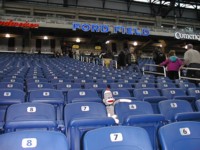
(129, 2)
(103, 3)
(65, 2)
(170, 8)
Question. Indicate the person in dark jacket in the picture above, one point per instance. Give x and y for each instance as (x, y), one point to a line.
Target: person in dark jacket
(158, 57)
(121, 60)
(131, 60)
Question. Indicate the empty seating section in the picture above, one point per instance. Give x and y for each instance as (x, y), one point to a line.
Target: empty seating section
(57, 103)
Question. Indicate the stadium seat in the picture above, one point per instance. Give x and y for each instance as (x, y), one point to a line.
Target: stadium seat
(194, 92)
(139, 113)
(83, 95)
(50, 96)
(177, 93)
(37, 86)
(178, 110)
(180, 136)
(144, 85)
(120, 94)
(67, 86)
(9, 85)
(187, 85)
(151, 95)
(165, 85)
(38, 80)
(37, 140)
(30, 116)
(117, 138)
(84, 116)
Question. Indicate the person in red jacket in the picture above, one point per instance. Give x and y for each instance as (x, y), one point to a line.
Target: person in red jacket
(173, 64)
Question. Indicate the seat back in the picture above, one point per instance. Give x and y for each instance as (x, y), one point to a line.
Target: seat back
(37, 86)
(30, 115)
(180, 135)
(170, 108)
(87, 95)
(11, 96)
(9, 85)
(117, 138)
(125, 109)
(81, 117)
(37, 140)
(194, 92)
(141, 93)
(170, 93)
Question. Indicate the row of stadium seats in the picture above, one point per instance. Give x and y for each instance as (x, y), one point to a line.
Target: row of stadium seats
(82, 117)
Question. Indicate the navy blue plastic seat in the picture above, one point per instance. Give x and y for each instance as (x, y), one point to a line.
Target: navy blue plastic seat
(83, 95)
(177, 93)
(139, 113)
(194, 92)
(187, 85)
(144, 85)
(13, 85)
(117, 138)
(165, 85)
(30, 116)
(82, 117)
(180, 136)
(37, 140)
(151, 95)
(38, 86)
(178, 110)
(54, 97)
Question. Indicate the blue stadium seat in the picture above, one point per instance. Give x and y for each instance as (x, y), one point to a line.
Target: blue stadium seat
(186, 85)
(117, 138)
(83, 95)
(144, 85)
(194, 92)
(120, 94)
(12, 80)
(178, 110)
(11, 96)
(177, 93)
(38, 80)
(38, 86)
(9, 85)
(180, 136)
(37, 140)
(29, 116)
(151, 95)
(67, 86)
(139, 113)
(82, 117)
(166, 85)
(50, 96)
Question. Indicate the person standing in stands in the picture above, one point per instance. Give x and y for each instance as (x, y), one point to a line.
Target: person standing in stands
(159, 57)
(121, 60)
(192, 60)
(131, 59)
(173, 64)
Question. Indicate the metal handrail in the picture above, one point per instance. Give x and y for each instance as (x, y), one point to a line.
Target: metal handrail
(151, 72)
(188, 68)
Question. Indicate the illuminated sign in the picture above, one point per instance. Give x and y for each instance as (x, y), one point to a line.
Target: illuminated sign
(26, 24)
(103, 28)
(179, 35)
(97, 48)
(75, 46)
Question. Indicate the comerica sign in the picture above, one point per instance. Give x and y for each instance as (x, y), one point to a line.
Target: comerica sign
(179, 35)
(103, 28)
(11, 23)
